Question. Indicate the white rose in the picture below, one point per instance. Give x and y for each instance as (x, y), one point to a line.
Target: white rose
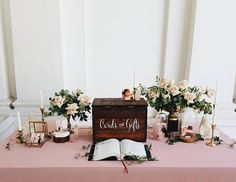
(201, 98)
(174, 90)
(171, 82)
(72, 109)
(58, 101)
(85, 100)
(210, 92)
(203, 90)
(164, 83)
(190, 97)
(183, 84)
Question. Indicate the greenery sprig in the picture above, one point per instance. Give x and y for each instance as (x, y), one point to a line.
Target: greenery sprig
(8, 146)
(130, 159)
(198, 137)
(173, 140)
(20, 138)
(134, 159)
(217, 140)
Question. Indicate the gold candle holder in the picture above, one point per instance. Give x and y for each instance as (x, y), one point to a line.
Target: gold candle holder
(134, 93)
(42, 113)
(212, 142)
(20, 139)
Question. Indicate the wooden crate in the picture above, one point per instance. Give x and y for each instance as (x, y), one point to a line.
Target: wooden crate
(116, 118)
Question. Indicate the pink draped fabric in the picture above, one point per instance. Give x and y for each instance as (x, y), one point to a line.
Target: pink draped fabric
(54, 162)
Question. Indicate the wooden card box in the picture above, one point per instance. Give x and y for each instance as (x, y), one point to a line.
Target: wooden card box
(116, 118)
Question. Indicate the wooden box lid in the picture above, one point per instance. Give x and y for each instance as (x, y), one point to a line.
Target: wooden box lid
(100, 102)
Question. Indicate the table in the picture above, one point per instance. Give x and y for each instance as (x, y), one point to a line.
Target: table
(55, 162)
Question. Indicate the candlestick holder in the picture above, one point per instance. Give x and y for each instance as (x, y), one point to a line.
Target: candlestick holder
(20, 139)
(134, 93)
(212, 142)
(42, 113)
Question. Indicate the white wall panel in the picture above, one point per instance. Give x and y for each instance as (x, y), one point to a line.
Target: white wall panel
(122, 35)
(37, 48)
(214, 56)
(179, 39)
(73, 43)
(4, 87)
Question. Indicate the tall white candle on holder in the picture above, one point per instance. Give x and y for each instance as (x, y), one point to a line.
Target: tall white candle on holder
(134, 77)
(18, 119)
(41, 98)
(214, 108)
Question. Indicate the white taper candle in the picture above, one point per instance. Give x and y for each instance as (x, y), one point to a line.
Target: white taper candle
(134, 77)
(41, 98)
(18, 119)
(214, 109)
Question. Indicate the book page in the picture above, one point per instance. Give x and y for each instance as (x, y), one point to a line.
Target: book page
(129, 148)
(107, 148)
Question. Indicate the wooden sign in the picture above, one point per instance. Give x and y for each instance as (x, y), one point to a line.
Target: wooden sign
(116, 118)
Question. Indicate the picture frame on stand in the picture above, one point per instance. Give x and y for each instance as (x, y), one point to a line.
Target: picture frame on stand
(38, 134)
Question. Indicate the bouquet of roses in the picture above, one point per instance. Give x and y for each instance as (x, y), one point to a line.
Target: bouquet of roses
(169, 96)
(68, 104)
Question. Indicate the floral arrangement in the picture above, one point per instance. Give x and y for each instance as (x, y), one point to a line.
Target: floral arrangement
(69, 104)
(169, 96)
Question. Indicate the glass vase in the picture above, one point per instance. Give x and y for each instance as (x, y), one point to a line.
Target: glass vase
(161, 124)
(189, 121)
(173, 124)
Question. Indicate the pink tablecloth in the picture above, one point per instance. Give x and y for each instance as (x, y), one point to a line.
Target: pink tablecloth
(55, 162)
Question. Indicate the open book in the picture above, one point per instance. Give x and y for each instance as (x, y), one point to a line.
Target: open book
(113, 149)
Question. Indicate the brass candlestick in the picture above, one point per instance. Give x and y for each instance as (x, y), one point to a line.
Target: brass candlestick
(42, 113)
(212, 142)
(20, 138)
(134, 93)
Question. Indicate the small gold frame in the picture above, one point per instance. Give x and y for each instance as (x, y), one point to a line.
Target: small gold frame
(38, 133)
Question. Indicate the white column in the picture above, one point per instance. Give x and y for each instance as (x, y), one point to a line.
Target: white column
(73, 43)
(4, 87)
(213, 57)
(37, 49)
(179, 37)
